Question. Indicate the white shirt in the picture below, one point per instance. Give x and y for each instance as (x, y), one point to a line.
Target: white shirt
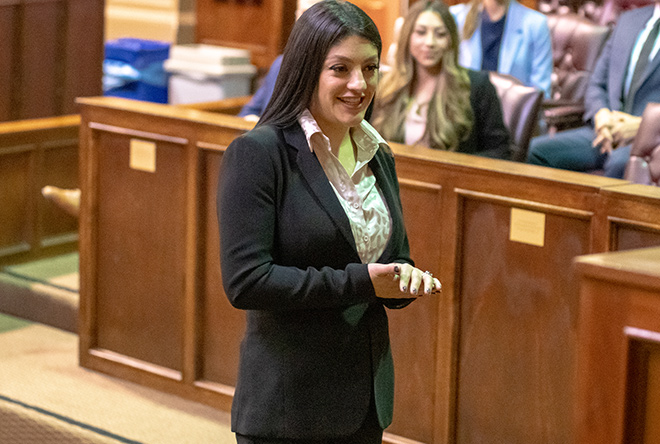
(359, 194)
(641, 38)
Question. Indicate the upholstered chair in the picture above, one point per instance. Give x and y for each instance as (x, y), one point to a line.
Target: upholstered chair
(521, 106)
(576, 44)
(644, 163)
(601, 12)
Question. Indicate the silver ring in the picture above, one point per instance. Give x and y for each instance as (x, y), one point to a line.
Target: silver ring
(428, 272)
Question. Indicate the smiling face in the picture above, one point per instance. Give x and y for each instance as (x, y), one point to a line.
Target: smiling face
(346, 86)
(429, 40)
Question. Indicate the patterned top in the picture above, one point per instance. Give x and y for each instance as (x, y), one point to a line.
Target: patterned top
(359, 194)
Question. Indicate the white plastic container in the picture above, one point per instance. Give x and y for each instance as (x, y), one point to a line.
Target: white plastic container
(204, 73)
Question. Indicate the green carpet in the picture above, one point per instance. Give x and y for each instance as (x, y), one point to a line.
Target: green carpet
(44, 291)
(11, 323)
(47, 271)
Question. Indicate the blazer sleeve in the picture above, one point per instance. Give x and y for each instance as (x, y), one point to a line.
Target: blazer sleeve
(492, 136)
(250, 188)
(260, 99)
(596, 95)
(541, 73)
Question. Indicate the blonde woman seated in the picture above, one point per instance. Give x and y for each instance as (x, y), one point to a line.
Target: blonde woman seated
(428, 99)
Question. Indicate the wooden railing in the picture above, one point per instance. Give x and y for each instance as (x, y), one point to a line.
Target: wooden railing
(35, 153)
(492, 359)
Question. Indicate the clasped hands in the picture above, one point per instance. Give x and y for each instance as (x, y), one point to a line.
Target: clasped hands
(614, 129)
(391, 280)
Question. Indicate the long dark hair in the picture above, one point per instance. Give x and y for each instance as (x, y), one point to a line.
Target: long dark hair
(317, 30)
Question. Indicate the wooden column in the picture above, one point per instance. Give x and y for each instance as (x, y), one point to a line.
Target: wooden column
(618, 377)
(51, 52)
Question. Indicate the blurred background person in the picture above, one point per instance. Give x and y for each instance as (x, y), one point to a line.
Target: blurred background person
(507, 37)
(427, 98)
(625, 79)
(255, 107)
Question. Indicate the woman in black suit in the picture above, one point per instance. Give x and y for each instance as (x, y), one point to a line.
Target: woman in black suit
(313, 244)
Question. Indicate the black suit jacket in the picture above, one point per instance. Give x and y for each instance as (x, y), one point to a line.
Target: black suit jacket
(316, 344)
(489, 136)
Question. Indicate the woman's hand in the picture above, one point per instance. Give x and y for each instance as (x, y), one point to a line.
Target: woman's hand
(394, 281)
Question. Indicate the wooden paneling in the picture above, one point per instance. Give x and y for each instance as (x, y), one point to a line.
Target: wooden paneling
(632, 218)
(493, 359)
(132, 226)
(82, 53)
(269, 23)
(222, 326)
(35, 153)
(225, 23)
(51, 53)
(8, 56)
(507, 283)
(619, 348)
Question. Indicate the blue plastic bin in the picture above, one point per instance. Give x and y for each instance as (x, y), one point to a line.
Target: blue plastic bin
(133, 68)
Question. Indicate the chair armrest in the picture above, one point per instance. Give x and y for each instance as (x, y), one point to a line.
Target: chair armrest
(563, 117)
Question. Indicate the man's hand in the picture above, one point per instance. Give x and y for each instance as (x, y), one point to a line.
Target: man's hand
(602, 127)
(624, 128)
(614, 129)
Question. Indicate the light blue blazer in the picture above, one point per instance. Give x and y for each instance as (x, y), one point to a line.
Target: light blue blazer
(526, 49)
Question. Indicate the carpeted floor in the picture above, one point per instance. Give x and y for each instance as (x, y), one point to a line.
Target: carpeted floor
(45, 397)
(44, 291)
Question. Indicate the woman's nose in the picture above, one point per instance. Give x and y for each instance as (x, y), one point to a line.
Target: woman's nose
(430, 39)
(357, 80)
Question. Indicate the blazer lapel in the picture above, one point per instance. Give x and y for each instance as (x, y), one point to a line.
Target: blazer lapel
(650, 69)
(512, 38)
(469, 54)
(624, 48)
(389, 193)
(313, 173)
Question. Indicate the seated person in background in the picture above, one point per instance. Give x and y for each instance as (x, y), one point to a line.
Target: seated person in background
(617, 93)
(507, 37)
(253, 109)
(428, 99)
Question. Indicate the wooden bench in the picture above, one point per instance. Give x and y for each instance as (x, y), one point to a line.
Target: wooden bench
(35, 153)
(492, 359)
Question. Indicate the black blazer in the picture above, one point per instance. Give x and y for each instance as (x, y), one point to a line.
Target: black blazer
(489, 136)
(316, 344)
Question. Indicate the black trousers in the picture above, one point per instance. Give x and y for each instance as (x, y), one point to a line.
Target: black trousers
(369, 433)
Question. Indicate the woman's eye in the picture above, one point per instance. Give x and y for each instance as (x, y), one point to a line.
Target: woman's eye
(372, 68)
(338, 68)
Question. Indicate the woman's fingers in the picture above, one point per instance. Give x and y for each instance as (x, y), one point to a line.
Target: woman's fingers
(411, 280)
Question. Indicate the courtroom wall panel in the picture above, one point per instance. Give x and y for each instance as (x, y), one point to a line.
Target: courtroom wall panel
(632, 219)
(269, 23)
(35, 153)
(222, 326)
(141, 250)
(51, 53)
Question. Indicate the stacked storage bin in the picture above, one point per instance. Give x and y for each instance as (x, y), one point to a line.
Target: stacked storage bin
(204, 73)
(133, 68)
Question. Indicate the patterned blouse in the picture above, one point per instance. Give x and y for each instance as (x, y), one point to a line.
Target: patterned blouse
(358, 193)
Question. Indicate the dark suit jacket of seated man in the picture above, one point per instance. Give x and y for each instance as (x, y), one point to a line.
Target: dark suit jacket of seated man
(572, 149)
